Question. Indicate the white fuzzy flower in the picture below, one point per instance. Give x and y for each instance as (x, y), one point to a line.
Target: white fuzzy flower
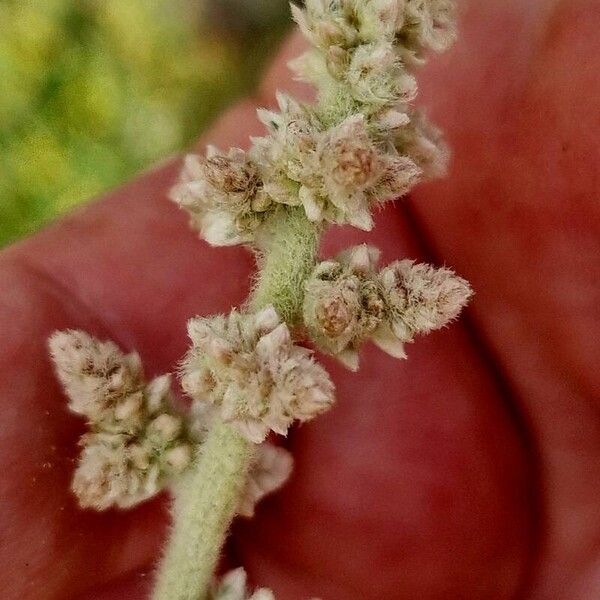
(376, 79)
(348, 23)
(248, 367)
(420, 140)
(347, 302)
(400, 174)
(223, 195)
(426, 25)
(413, 25)
(377, 19)
(351, 166)
(421, 298)
(367, 79)
(325, 24)
(137, 442)
(271, 468)
(343, 304)
(336, 173)
(287, 156)
(109, 474)
(95, 374)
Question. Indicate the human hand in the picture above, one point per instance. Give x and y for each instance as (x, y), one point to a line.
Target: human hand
(469, 471)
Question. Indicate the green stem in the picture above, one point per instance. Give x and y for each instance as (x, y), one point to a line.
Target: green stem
(205, 503)
(207, 497)
(286, 262)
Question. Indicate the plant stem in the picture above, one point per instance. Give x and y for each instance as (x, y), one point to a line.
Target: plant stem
(207, 497)
(286, 262)
(205, 502)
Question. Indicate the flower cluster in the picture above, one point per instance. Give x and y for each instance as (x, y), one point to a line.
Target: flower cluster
(362, 144)
(137, 442)
(336, 173)
(421, 298)
(233, 586)
(428, 24)
(347, 302)
(223, 194)
(248, 367)
(361, 61)
(338, 28)
(343, 305)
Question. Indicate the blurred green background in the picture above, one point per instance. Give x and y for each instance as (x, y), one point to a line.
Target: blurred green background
(93, 91)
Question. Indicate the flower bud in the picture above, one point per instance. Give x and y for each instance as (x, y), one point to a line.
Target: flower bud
(229, 174)
(342, 303)
(129, 407)
(179, 457)
(95, 374)
(165, 427)
(220, 192)
(422, 298)
(349, 155)
(139, 456)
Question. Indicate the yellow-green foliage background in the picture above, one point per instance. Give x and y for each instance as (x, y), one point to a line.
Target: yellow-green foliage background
(92, 91)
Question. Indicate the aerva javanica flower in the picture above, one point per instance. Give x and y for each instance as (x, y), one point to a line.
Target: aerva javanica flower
(347, 302)
(247, 366)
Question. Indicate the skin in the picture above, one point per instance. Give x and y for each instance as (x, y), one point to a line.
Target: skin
(472, 470)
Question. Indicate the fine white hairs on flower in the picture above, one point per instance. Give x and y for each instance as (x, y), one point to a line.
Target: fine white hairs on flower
(248, 367)
(426, 25)
(421, 298)
(338, 173)
(223, 194)
(342, 304)
(347, 302)
(362, 143)
(411, 26)
(137, 442)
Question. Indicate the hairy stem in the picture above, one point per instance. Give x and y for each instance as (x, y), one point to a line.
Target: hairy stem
(207, 497)
(287, 260)
(204, 506)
